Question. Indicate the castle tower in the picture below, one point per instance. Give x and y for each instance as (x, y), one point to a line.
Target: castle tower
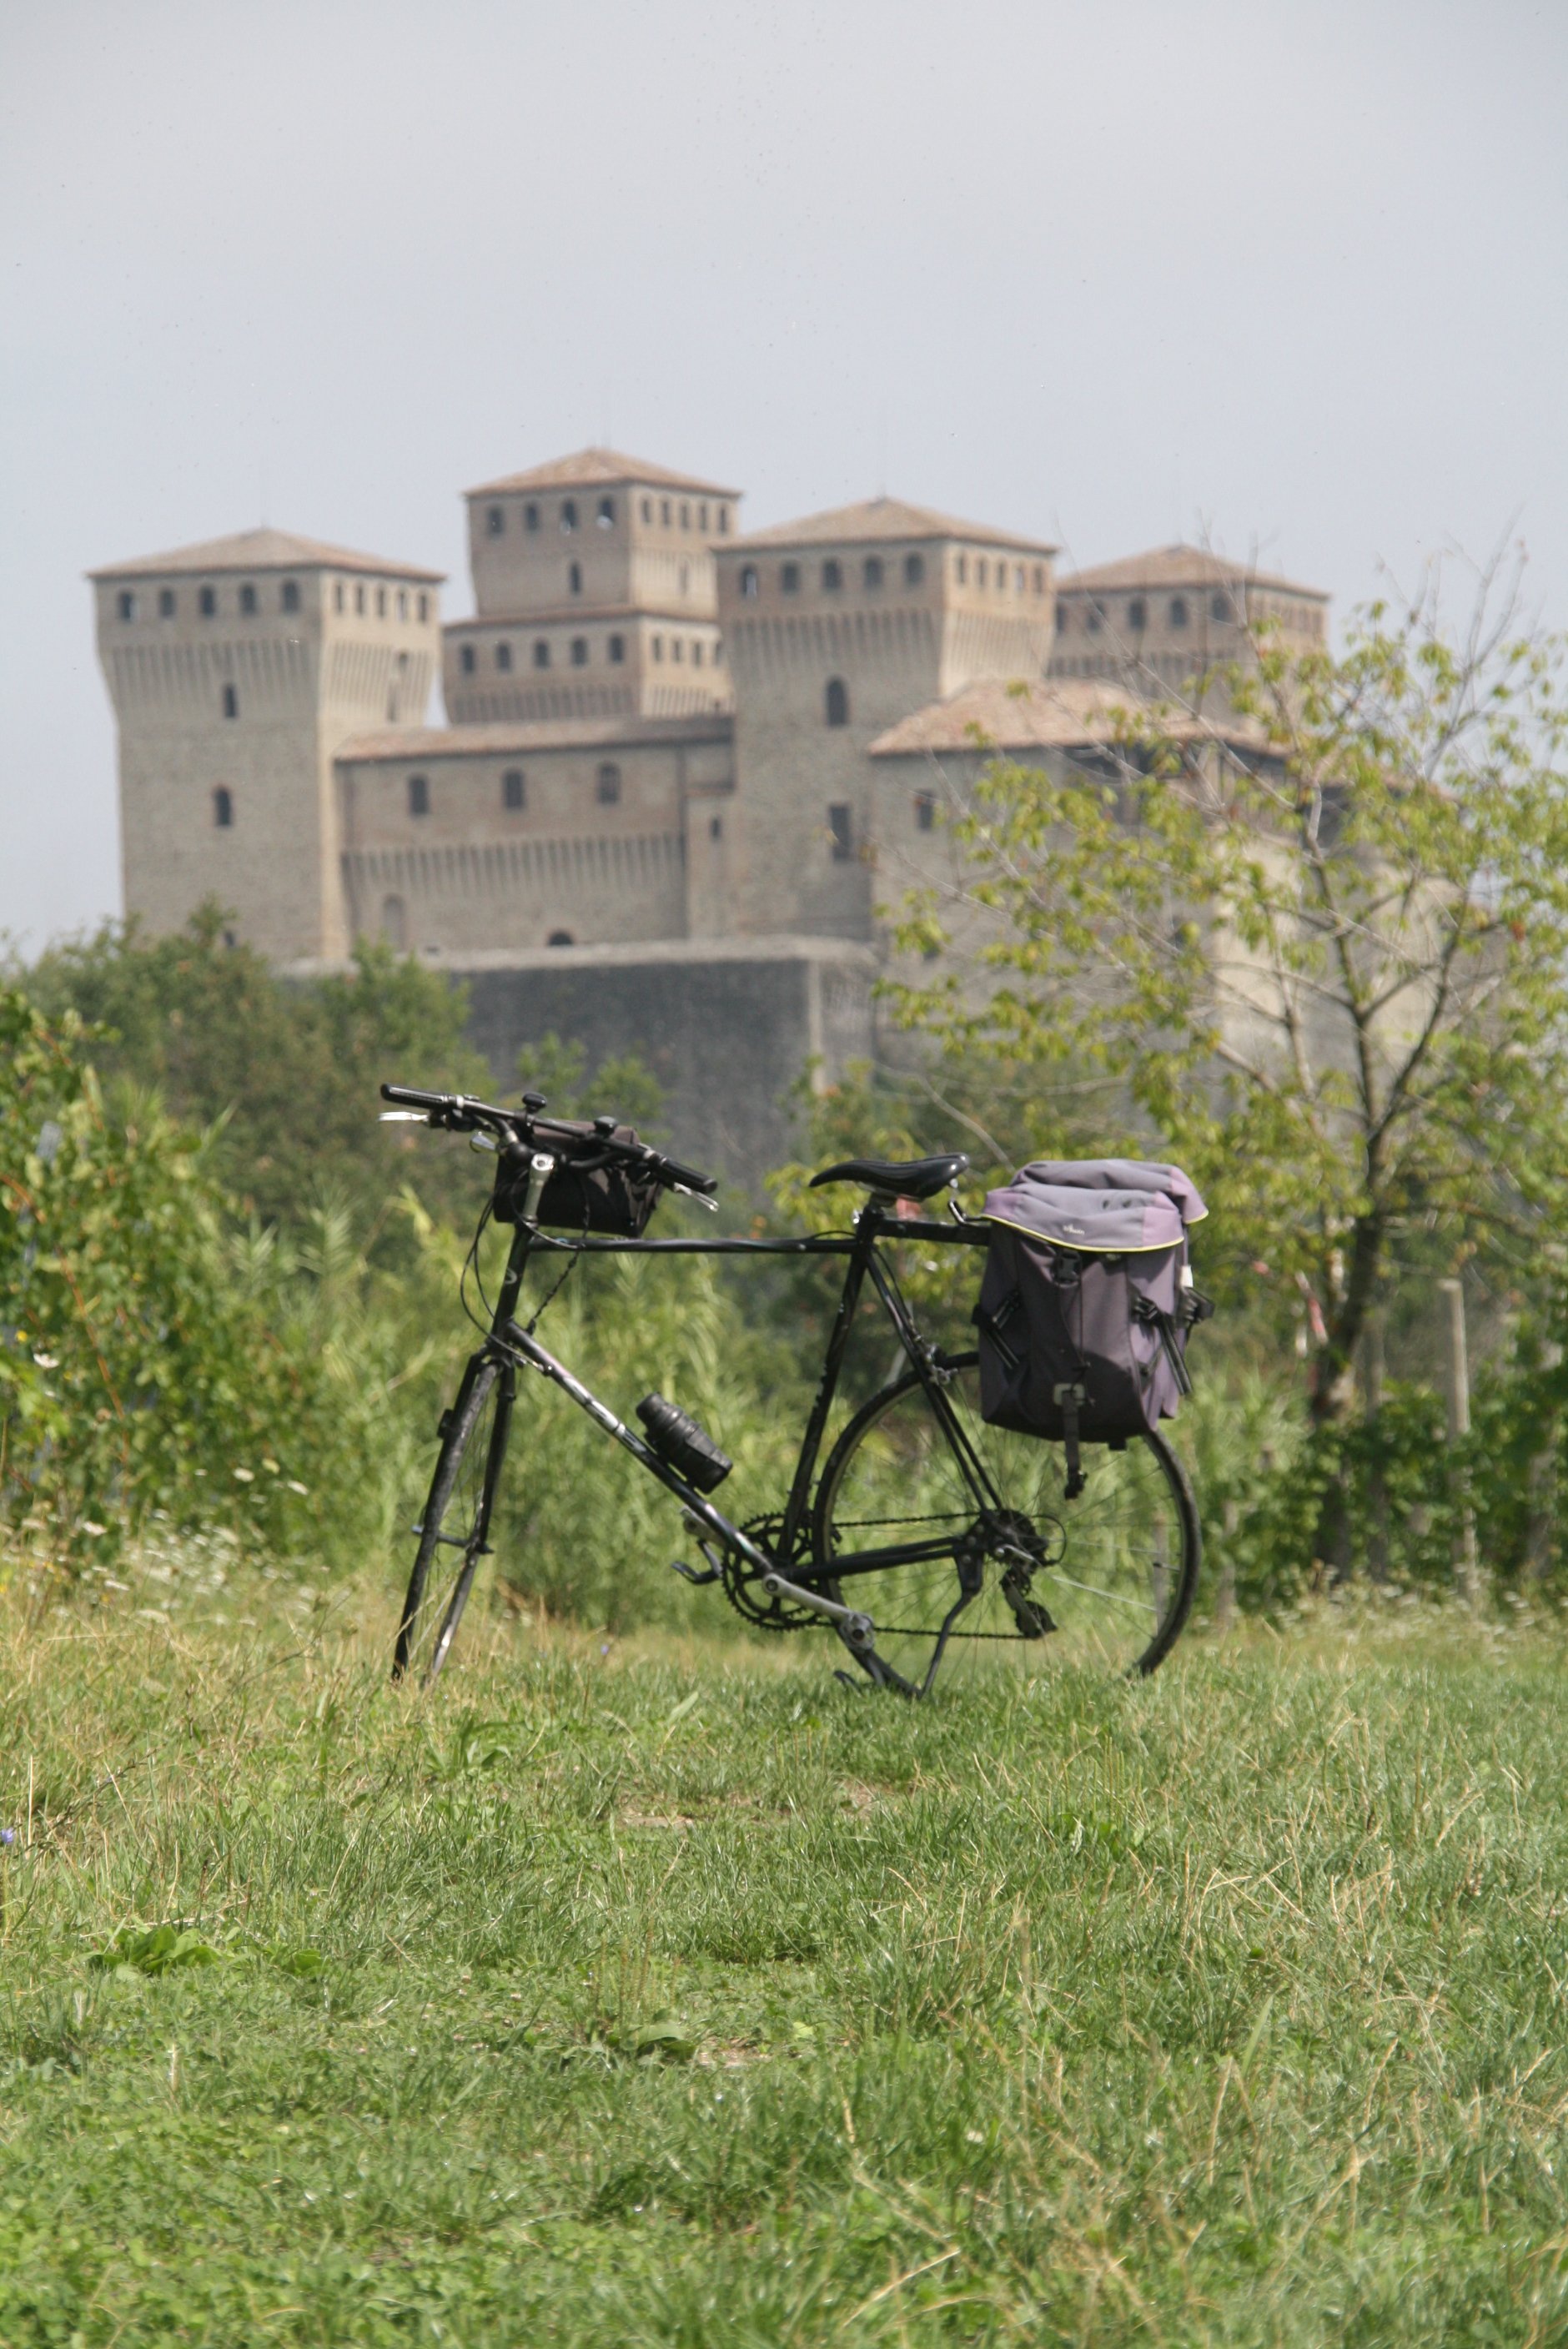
(1153, 623)
(593, 584)
(236, 667)
(836, 627)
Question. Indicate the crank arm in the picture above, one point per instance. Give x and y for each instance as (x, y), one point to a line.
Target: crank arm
(857, 1631)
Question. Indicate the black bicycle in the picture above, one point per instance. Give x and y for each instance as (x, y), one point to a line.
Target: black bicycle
(926, 1533)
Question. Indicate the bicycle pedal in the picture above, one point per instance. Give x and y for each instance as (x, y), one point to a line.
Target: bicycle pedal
(689, 1573)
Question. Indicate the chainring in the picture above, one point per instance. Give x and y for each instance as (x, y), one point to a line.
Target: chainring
(743, 1584)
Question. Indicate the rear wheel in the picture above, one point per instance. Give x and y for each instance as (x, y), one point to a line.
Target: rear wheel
(456, 1522)
(1104, 1581)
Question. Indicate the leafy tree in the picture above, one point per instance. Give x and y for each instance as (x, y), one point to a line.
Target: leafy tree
(286, 1072)
(1317, 955)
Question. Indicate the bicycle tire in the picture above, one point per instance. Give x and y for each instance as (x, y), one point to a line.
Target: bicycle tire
(1133, 1536)
(456, 1515)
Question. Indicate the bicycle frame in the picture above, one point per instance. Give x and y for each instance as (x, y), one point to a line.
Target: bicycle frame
(511, 1344)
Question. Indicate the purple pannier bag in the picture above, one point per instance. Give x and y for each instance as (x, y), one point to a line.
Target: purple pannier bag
(1088, 1300)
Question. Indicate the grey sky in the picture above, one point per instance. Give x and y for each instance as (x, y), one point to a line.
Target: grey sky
(1290, 274)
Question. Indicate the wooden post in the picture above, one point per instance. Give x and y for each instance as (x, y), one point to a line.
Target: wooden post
(1467, 1566)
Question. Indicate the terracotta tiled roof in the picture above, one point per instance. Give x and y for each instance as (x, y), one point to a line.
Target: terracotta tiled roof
(1180, 566)
(1066, 713)
(595, 469)
(264, 550)
(531, 734)
(883, 518)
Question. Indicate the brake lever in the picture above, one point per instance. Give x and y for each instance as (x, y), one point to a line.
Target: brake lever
(684, 1191)
(403, 1117)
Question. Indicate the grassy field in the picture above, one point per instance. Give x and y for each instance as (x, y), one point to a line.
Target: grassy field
(626, 1997)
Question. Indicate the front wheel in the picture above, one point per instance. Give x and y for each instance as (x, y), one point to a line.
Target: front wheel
(453, 1532)
(919, 1504)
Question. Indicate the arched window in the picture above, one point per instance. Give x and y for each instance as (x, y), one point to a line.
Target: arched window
(503, 655)
(677, 648)
(607, 784)
(559, 938)
(1137, 614)
(125, 603)
(578, 652)
(1220, 607)
(1061, 619)
(338, 597)
(748, 579)
(418, 795)
(979, 571)
(402, 603)
(914, 570)
(665, 511)
(423, 608)
(961, 568)
(724, 522)
(542, 653)
(696, 652)
(605, 517)
(1018, 577)
(207, 603)
(702, 517)
(530, 517)
(790, 578)
(222, 807)
(466, 659)
(832, 575)
(513, 790)
(871, 571)
(381, 603)
(569, 517)
(395, 921)
(836, 702)
(360, 597)
(648, 514)
(290, 596)
(685, 515)
(574, 578)
(657, 648)
(248, 599)
(495, 519)
(617, 651)
(231, 701)
(166, 602)
(1178, 611)
(925, 812)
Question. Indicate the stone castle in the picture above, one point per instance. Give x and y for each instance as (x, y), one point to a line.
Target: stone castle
(685, 764)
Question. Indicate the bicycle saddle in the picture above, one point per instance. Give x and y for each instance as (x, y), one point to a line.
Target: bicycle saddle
(910, 1178)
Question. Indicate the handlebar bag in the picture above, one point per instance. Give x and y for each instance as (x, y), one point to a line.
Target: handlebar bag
(615, 1200)
(1086, 1300)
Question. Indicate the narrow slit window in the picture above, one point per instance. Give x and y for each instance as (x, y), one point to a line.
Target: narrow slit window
(605, 517)
(578, 652)
(925, 811)
(607, 784)
(418, 795)
(290, 596)
(871, 571)
(423, 608)
(466, 659)
(207, 603)
(542, 653)
(231, 701)
(126, 604)
(495, 519)
(224, 808)
(747, 580)
(503, 657)
(574, 578)
(513, 791)
(617, 651)
(914, 570)
(248, 600)
(840, 832)
(836, 702)
(569, 517)
(530, 517)
(832, 575)
(1177, 614)
(165, 605)
(790, 578)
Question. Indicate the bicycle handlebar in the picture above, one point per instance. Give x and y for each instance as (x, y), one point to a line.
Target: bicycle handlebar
(460, 1113)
